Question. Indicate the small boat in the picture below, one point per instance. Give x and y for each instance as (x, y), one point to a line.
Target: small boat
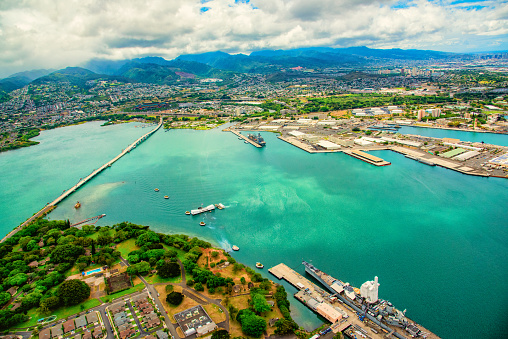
(239, 138)
(156, 190)
(78, 205)
(202, 223)
(187, 212)
(166, 197)
(220, 206)
(235, 248)
(246, 142)
(259, 265)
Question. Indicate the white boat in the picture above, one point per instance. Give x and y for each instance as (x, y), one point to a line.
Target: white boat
(235, 248)
(202, 223)
(259, 265)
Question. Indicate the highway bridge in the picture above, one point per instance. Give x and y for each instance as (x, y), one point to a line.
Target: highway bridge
(83, 181)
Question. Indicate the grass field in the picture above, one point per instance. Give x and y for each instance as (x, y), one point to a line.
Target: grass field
(126, 247)
(115, 296)
(61, 313)
(156, 279)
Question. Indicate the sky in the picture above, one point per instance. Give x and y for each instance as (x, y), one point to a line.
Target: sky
(37, 34)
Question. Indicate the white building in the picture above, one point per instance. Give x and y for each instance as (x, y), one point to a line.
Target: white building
(369, 290)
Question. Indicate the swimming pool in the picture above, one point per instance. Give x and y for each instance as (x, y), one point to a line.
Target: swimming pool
(92, 271)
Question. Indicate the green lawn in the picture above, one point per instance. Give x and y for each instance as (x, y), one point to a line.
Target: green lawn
(127, 246)
(62, 312)
(155, 279)
(115, 296)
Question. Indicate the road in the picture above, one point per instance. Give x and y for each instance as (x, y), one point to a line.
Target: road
(153, 292)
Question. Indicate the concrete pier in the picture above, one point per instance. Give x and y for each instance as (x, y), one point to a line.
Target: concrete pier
(238, 134)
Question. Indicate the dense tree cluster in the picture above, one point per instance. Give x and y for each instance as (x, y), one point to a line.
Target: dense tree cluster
(174, 298)
(252, 324)
(73, 291)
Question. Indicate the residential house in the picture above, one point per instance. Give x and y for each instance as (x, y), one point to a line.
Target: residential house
(56, 331)
(97, 332)
(45, 334)
(120, 307)
(87, 334)
(127, 333)
(80, 321)
(147, 310)
(69, 326)
(161, 334)
(92, 318)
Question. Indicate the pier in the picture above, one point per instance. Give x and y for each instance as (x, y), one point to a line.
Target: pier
(367, 158)
(336, 308)
(238, 134)
(433, 160)
(46, 209)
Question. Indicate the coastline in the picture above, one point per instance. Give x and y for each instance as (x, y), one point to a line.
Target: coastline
(457, 129)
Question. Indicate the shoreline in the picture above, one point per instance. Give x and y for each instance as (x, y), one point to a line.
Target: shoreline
(456, 129)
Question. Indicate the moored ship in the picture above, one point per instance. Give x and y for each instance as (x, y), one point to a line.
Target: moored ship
(365, 302)
(257, 139)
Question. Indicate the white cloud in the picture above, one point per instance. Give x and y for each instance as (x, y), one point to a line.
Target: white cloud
(58, 33)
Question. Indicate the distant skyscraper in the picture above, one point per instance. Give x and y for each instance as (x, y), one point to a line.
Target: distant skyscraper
(421, 114)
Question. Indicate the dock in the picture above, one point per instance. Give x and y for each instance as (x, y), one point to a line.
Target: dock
(432, 160)
(208, 208)
(335, 308)
(368, 158)
(238, 134)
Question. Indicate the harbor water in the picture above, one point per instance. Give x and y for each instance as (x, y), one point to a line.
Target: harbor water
(437, 239)
(488, 138)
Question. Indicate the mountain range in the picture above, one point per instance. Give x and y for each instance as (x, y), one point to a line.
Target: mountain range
(218, 64)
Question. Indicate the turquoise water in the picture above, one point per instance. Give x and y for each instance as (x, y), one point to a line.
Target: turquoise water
(488, 138)
(34, 176)
(437, 239)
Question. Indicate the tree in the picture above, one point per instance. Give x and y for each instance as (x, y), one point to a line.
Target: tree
(199, 287)
(50, 303)
(147, 237)
(93, 247)
(141, 268)
(17, 279)
(252, 324)
(169, 288)
(168, 269)
(285, 326)
(104, 239)
(73, 291)
(174, 298)
(66, 253)
(4, 298)
(259, 303)
(220, 334)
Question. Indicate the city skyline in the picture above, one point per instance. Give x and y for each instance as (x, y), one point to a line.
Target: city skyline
(56, 34)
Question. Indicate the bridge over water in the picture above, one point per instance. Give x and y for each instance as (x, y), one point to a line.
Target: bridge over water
(83, 181)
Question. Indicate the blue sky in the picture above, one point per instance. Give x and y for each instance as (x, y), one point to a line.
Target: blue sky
(58, 33)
